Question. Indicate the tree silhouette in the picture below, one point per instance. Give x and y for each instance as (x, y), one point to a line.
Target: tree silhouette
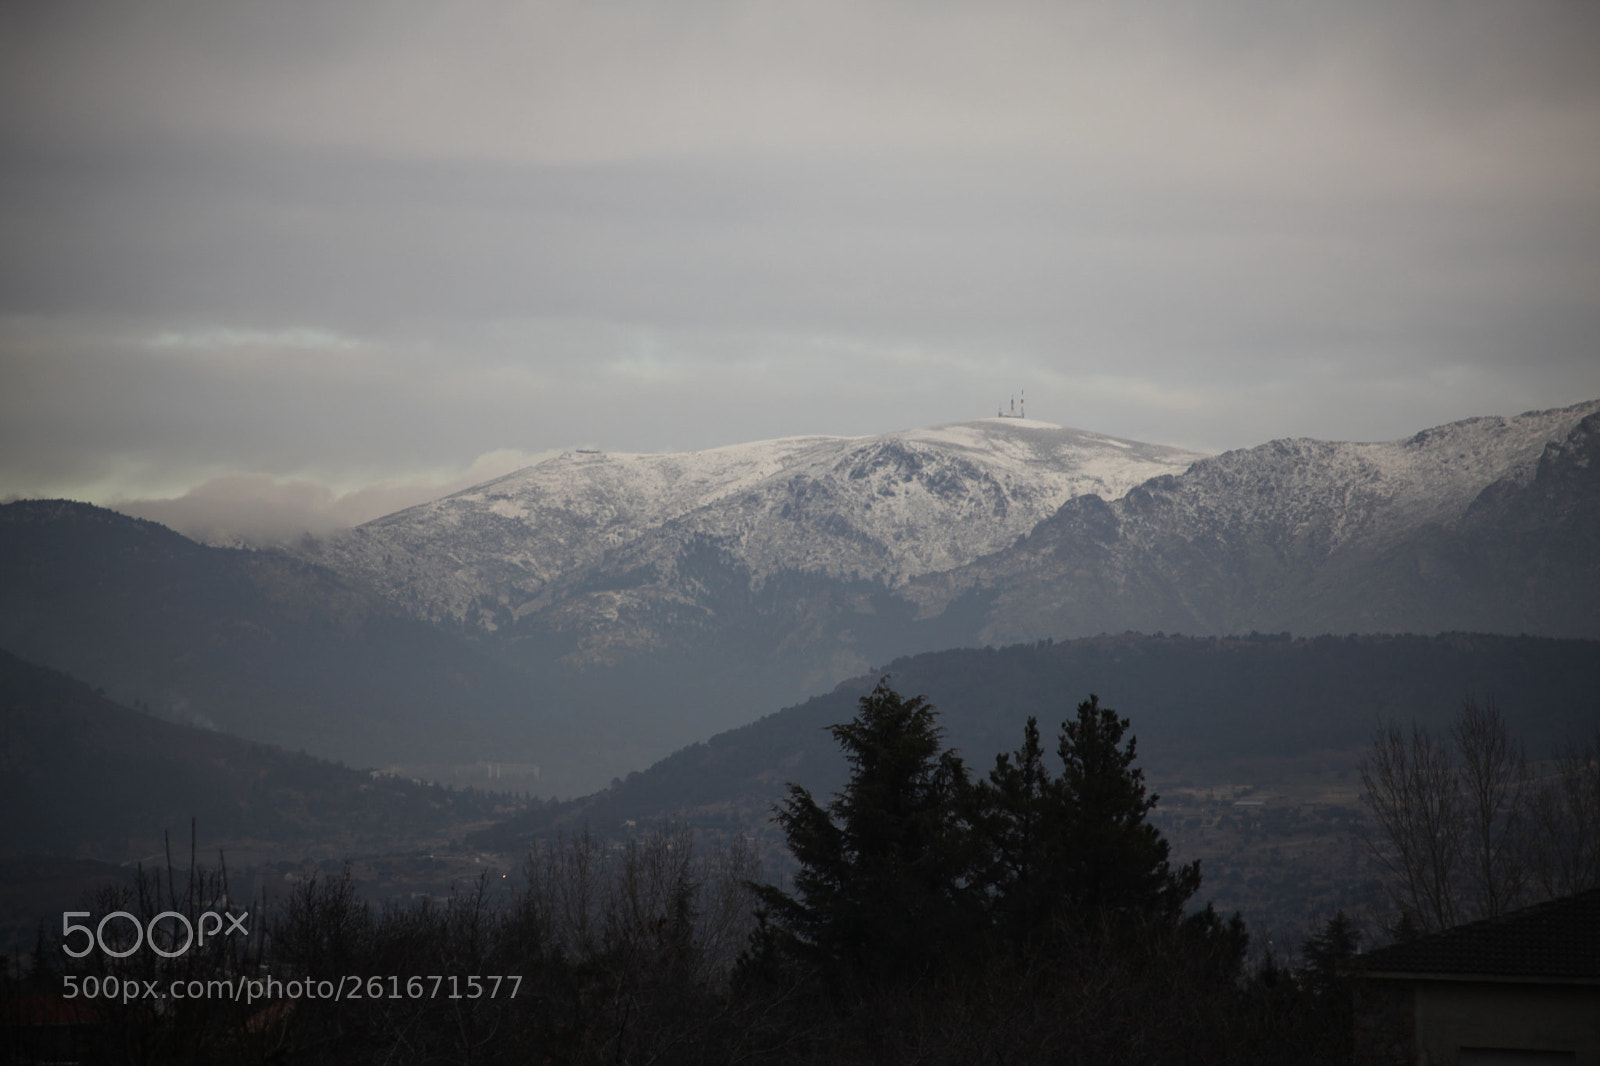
(912, 866)
(885, 886)
(1465, 829)
(1113, 858)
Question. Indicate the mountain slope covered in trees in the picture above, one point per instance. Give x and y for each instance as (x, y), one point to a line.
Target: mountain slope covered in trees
(103, 781)
(1198, 705)
(265, 646)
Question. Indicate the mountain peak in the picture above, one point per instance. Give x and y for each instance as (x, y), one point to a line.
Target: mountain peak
(884, 507)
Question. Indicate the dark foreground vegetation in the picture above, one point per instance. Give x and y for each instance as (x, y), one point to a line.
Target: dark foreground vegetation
(1030, 915)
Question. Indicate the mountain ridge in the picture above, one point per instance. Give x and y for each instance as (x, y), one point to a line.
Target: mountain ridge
(883, 508)
(1259, 538)
(1046, 531)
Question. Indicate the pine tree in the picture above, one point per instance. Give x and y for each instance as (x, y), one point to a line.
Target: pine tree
(1115, 860)
(885, 886)
(912, 865)
(1328, 954)
(1017, 810)
(1062, 850)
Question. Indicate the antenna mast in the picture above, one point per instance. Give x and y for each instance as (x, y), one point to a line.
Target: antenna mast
(1018, 410)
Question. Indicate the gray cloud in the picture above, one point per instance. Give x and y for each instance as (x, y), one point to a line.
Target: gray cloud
(312, 248)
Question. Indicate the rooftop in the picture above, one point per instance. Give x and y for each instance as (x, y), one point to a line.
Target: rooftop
(1558, 939)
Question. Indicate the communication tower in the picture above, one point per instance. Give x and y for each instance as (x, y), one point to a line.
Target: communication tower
(1018, 410)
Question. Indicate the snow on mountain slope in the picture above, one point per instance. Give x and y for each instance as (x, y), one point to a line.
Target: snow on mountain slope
(1290, 534)
(501, 542)
(886, 508)
(1335, 495)
(892, 507)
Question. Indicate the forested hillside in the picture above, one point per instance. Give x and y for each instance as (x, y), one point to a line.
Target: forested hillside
(1198, 704)
(268, 647)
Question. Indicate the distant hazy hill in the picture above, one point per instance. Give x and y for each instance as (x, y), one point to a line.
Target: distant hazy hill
(82, 777)
(1196, 704)
(267, 647)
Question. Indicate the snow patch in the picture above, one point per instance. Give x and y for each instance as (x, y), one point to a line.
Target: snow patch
(886, 508)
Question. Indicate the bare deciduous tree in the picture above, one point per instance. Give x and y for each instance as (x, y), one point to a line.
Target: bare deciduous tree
(1463, 828)
(1564, 817)
(1494, 780)
(1410, 785)
(660, 893)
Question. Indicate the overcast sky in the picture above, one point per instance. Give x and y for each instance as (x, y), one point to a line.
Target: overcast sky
(339, 255)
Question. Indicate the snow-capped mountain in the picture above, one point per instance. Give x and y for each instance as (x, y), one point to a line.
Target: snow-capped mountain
(691, 591)
(883, 509)
(1318, 536)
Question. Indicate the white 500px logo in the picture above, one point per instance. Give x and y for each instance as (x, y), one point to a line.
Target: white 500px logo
(156, 936)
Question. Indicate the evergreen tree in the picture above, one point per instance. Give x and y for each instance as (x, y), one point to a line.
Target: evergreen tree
(1017, 810)
(1115, 860)
(885, 887)
(1328, 954)
(911, 864)
(1063, 849)
(1325, 979)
